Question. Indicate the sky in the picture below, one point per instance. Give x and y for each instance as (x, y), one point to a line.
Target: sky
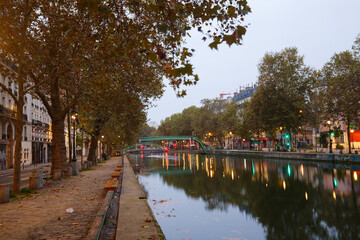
(318, 28)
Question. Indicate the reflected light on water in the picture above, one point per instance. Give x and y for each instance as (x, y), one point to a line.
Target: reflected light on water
(190, 163)
(232, 174)
(302, 170)
(334, 195)
(306, 196)
(197, 162)
(167, 161)
(355, 176)
(284, 185)
(184, 161)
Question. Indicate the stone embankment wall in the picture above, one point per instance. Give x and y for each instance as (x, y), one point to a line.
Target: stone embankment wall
(341, 158)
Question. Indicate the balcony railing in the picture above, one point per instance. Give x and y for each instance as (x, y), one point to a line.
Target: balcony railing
(6, 111)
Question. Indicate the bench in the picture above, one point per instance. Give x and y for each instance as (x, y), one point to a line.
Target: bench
(111, 185)
(118, 169)
(46, 177)
(115, 175)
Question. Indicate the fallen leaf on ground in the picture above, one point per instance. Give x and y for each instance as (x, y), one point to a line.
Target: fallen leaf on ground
(145, 227)
(91, 198)
(75, 223)
(59, 218)
(0, 224)
(147, 220)
(84, 198)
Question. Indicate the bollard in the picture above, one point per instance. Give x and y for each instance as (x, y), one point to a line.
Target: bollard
(39, 173)
(85, 165)
(4, 193)
(89, 164)
(70, 171)
(75, 167)
(57, 175)
(34, 183)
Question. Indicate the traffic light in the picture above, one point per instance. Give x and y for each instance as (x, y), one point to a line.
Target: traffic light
(287, 136)
(335, 182)
(288, 144)
(332, 133)
(252, 139)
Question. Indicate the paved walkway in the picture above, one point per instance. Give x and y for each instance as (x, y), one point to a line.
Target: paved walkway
(47, 215)
(27, 168)
(6, 176)
(133, 211)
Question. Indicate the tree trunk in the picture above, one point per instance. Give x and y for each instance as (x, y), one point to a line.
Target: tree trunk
(18, 140)
(59, 148)
(348, 135)
(82, 148)
(92, 150)
(20, 101)
(69, 136)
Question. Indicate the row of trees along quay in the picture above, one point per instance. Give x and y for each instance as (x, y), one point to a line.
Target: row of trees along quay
(289, 96)
(105, 59)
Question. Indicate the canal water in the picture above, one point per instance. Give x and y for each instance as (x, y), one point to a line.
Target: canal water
(219, 197)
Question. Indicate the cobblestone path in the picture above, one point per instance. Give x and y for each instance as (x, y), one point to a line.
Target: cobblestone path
(47, 215)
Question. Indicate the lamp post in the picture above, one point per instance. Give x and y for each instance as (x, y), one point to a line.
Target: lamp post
(102, 145)
(330, 140)
(74, 138)
(232, 143)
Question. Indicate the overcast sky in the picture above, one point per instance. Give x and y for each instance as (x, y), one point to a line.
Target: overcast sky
(318, 28)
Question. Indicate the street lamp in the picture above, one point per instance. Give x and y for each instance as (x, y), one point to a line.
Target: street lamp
(352, 138)
(232, 142)
(102, 147)
(74, 138)
(330, 140)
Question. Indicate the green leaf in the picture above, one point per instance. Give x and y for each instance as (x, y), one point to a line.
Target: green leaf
(161, 28)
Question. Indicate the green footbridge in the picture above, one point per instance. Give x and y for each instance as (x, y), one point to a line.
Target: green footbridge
(150, 141)
(173, 138)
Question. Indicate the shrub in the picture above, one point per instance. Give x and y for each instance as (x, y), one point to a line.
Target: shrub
(339, 146)
(309, 147)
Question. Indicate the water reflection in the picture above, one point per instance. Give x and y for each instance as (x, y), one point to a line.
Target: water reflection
(290, 199)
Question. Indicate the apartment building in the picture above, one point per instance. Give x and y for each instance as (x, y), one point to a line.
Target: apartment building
(7, 120)
(41, 135)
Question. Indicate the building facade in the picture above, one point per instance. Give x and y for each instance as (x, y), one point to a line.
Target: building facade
(7, 120)
(41, 135)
